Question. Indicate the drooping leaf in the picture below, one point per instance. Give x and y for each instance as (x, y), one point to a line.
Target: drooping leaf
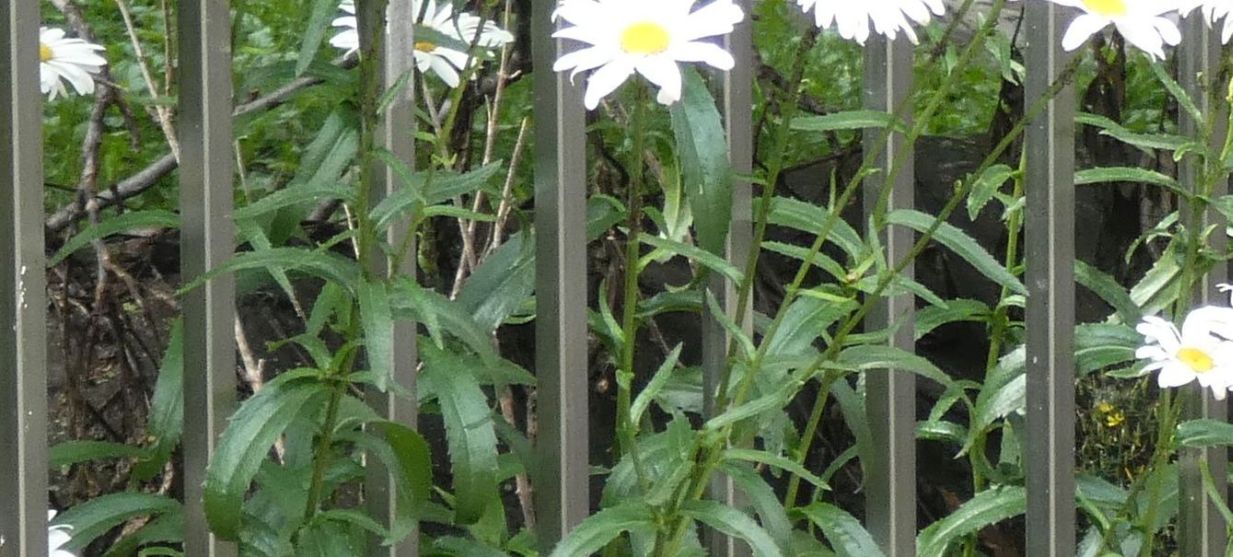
(153, 218)
(97, 516)
(471, 439)
(318, 21)
(604, 526)
(244, 445)
(502, 282)
(322, 264)
(166, 418)
(987, 507)
(846, 534)
(733, 523)
(853, 120)
(1109, 290)
(378, 324)
(75, 451)
(961, 244)
(702, 148)
(1204, 433)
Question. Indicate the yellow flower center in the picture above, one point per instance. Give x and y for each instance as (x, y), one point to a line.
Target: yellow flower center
(645, 37)
(425, 46)
(1106, 8)
(1198, 360)
(45, 53)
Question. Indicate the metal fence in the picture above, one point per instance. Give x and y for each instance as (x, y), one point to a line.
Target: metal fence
(561, 483)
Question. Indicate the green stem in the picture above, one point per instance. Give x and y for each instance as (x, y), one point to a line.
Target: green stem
(629, 320)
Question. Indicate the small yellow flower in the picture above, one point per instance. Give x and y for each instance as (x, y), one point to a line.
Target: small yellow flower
(1104, 407)
(1115, 418)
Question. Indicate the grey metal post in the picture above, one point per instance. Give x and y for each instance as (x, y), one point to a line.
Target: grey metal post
(891, 395)
(395, 134)
(738, 118)
(1050, 253)
(23, 369)
(1201, 530)
(206, 241)
(561, 491)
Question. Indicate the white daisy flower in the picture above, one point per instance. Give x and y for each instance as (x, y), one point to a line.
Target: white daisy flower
(446, 62)
(57, 536)
(1201, 350)
(1143, 23)
(1213, 11)
(852, 19)
(644, 36)
(71, 60)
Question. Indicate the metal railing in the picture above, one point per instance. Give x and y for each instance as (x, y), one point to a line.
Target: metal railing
(562, 475)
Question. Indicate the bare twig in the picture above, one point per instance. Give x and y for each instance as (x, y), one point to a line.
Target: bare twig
(162, 114)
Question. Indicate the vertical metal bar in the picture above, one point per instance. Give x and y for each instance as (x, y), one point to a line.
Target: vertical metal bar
(206, 241)
(561, 491)
(23, 370)
(738, 118)
(890, 399)
(1201, 531)
(395, 133)
(1050, 252)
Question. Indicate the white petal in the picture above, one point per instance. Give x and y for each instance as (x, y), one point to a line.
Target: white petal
(707, 53)
(1143, 35)
(665, 74)
(606, 79)
(1175, 374)
(1081, 28)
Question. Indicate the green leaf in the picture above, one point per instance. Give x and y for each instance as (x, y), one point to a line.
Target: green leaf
(77, 451)
(378, 323)
(166, 418)
(168, 528)
(846, 534)
(470, 437)
(325, 265)
(314, 31)
(733, 523)
(1109, 290)
(597, 530)
(502, 282)
(643, 401)
(987, 507)
(97, 516)
(855, 120)
(986, 186)
(804, 321)
(1204, 433)
(932, 317)
(959, 242)
(1144, 141)
(705, 258)
(1132, 174)
(244, 445)
(763, 500)
(874, 356)
(702, 148)
(775, 461)
(155, 218)
(438, 313)
(807, 217)
(292, 196)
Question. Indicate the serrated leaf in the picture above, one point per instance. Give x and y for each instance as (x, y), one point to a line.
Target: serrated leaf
(643, 401)
(155, 218)
(1204, 433)
(325, 265)
(75, 451)
(470, 437)
(986, 186)
(439, 314)
(597, 530)
(961, 244)
(702, 149)
(314, 31)
(166, 419)
(764, 502)
(707, 259)
(97, 516)
(854, 120)
(807, 217)
(378, 325)
(733, 523)
(244, 445)
(987, 507)
(775, 461)
(846, 534)
(502, 282)
(1109, 290)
